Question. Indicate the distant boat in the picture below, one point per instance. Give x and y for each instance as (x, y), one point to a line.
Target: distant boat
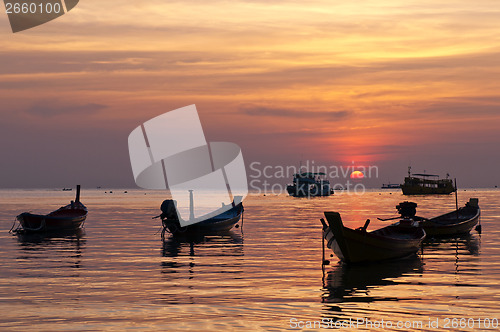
(458, 222)
(220, 223)
(398, 240)
(67, 189)
(309, 184)
(69, 217)
(426, 184)
(391, 186)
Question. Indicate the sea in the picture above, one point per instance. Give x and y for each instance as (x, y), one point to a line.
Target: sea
(266, 275)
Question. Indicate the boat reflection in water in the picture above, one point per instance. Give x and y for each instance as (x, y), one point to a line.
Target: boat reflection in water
(193, 264)
(56, 247)
(349, 291)
(228, 243)
(461, 250)
(353, 283)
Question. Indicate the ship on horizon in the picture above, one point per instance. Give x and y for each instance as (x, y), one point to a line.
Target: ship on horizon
(427, 184)
(390, 186)
(309, 184)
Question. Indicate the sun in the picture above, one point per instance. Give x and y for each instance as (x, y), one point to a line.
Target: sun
(357, 175)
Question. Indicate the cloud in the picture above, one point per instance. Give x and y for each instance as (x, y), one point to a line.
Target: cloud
(456, 108)
(55, 108)
(292, 113)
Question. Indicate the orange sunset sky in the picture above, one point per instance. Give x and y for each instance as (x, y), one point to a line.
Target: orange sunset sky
(384, 83)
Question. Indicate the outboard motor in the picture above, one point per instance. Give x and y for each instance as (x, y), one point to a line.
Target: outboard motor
(407, 210)
(168, 210)
(169, 217)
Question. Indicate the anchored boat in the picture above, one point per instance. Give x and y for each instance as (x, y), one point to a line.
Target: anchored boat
(426, 184)
(69, 217)
(399, 240)
(308, 184)
(390, 186)
(458, 222)
(220, 223)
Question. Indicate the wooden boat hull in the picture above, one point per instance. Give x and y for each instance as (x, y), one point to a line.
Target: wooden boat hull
(357, 246)
(449, 225)
(71, 219)
(218, 224)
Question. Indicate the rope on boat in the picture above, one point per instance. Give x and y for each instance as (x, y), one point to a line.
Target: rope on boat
(175, 229)
(19, 228)
(242, 217)
(323, 234)
(12, 230)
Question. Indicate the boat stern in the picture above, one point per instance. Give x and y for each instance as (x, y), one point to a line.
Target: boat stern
(337, 242)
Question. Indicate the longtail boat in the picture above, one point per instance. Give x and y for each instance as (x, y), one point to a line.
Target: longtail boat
(458, 222)
(398, 240)
(69, 217)
(220, 223)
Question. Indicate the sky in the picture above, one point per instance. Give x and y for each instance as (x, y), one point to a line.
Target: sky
(367, 83)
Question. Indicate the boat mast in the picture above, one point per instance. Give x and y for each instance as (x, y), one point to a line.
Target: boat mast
(77, 199)
(191, 205)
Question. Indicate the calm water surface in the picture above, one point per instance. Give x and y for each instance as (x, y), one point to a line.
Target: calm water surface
(267, 275)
